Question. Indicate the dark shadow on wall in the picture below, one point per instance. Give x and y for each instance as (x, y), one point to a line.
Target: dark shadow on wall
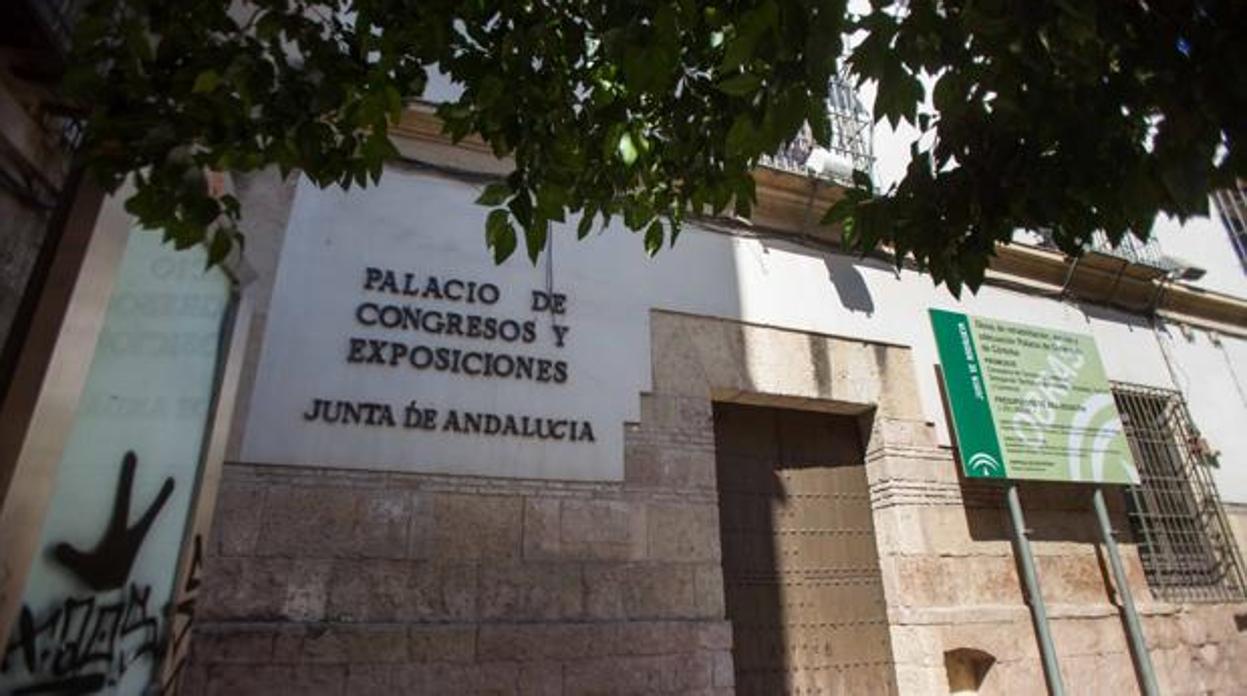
(749, 488)
(843, 271)
(1132, 322)
(849, 284)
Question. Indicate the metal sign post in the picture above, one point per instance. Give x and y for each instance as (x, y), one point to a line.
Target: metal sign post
(1039, 614)
(1134, 629)
(1028, 402)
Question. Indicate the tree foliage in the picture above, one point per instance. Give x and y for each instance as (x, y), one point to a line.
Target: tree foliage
(1067, 116)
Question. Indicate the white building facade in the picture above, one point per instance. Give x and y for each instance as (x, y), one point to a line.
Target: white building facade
(728, 468)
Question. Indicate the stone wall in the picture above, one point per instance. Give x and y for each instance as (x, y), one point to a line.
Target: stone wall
(328, 581)
(954, 584)
(947, 562)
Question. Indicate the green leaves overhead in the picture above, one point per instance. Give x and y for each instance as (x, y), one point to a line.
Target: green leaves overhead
(1067, 117)
(1071, 117)
(607, 109)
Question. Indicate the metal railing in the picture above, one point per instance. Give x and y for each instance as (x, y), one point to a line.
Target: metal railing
(1130, 249)
(850, 148)
(1185, 542)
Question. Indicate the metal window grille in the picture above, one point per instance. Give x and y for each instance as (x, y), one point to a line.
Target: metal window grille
(1232, 205)
(1185, 542)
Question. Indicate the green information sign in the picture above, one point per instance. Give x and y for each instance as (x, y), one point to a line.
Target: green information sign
(1030, 403)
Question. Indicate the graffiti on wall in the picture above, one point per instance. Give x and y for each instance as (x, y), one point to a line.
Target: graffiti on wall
(107, 566)
(85, 642)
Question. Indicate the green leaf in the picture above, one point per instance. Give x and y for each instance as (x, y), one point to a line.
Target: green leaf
(219, 248)
(675, 230)
(738, 52)
(752, 25)
(746, 194)
(206, 81)
(636, 214)
(898, 96)
(740, 138)
(551, 201)
(950, 94)
(521, 206)
(862, 180)
(231, 206)
(394, 103)
(820, 121)
(139, 40)
(741, 85)
(535, 239)
(839, 211)
(585, 224)
(653, 238)
(494, 194)
(500, 235)
(627, 149)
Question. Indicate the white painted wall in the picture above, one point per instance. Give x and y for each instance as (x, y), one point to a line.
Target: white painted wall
(1204, 242)
(1211, 371)
(430, 224)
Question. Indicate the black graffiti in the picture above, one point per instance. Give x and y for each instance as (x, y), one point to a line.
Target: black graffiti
(107, 566)
(84, 644)
(184, 619)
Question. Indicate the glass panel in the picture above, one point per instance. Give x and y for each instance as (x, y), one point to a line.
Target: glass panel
(93, 611)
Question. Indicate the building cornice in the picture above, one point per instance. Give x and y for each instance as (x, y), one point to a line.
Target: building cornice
(792, 204)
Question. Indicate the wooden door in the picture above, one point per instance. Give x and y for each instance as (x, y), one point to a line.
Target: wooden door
(801, 571)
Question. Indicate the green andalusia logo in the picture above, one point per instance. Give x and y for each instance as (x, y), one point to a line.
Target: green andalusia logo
(984, 464)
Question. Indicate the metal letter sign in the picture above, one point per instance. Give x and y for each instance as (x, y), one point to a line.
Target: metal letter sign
(1030, 403)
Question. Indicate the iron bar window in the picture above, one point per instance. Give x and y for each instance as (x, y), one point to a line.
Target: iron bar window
(1185, 542)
